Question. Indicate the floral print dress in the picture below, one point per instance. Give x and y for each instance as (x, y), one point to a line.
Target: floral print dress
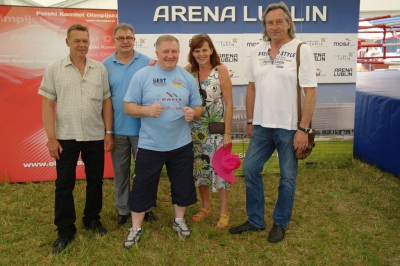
(204, 143)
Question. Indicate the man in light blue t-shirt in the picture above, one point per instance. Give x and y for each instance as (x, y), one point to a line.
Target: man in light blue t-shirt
(166, 98)
(121, 66)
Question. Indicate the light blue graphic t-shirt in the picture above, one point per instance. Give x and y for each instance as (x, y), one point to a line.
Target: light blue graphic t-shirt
(173, 90)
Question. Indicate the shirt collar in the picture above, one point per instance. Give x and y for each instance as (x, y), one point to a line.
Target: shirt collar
(67, 61)
(136, 55)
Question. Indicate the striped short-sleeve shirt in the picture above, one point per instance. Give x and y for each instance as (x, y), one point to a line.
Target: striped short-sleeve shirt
(79, 99)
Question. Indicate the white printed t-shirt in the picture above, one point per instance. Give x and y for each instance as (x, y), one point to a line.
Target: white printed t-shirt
(276, 83)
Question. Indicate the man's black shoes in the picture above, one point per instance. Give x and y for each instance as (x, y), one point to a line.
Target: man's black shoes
(121, 219)
(96, 227)
(276, 234)
(149, 217)
(61, 243)
(246, 227)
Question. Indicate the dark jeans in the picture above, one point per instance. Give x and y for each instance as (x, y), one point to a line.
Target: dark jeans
(92, 153)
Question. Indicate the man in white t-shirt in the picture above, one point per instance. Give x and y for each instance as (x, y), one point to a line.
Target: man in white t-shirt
(166, 98)
(271, 109)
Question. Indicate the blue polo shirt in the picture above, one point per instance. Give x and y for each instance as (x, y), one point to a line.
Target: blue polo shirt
(119, 77)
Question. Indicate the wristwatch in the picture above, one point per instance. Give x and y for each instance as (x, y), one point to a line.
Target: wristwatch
(249, 121)
(307, 130)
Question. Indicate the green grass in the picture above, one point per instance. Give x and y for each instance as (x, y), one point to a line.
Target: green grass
(346, 213)
(330, 155)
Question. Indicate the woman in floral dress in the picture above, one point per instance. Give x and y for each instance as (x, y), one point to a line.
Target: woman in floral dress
(216, 90)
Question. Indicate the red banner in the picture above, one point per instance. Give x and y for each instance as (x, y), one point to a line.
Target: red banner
(31, 38)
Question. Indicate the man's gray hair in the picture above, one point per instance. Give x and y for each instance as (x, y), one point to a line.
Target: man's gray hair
(288, 16)
(125, 27)
(166, 38)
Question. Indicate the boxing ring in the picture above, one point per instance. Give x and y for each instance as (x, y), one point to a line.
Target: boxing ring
(368, 32)
(377, 104)
(377, 119)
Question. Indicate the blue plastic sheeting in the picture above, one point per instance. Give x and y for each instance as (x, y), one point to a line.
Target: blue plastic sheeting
(377, 119)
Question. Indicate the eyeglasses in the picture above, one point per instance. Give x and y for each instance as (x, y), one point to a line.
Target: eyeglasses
(122, 39)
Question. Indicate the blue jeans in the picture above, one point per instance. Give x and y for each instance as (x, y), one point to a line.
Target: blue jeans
(262, 144)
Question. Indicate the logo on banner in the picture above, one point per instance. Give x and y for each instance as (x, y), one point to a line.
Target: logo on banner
(232, 74)
(231, 58)
(251, 44)
(346, 57)
(346, 42)
(319, 57)
(228, 13)
(141, 42)
(225, 43)
(321, 42)
(319, 73)
(343, 72)
(234, 42)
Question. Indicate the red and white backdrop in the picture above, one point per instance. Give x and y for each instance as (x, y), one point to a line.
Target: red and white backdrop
(31, 38)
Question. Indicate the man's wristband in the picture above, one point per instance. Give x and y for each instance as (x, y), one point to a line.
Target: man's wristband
(109, 132)
(307, 130)
(249, 121)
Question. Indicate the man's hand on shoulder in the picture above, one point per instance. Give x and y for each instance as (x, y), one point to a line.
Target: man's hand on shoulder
(152, 62)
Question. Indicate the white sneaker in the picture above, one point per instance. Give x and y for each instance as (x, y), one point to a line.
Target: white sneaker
(181, 228)
(133, 238)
